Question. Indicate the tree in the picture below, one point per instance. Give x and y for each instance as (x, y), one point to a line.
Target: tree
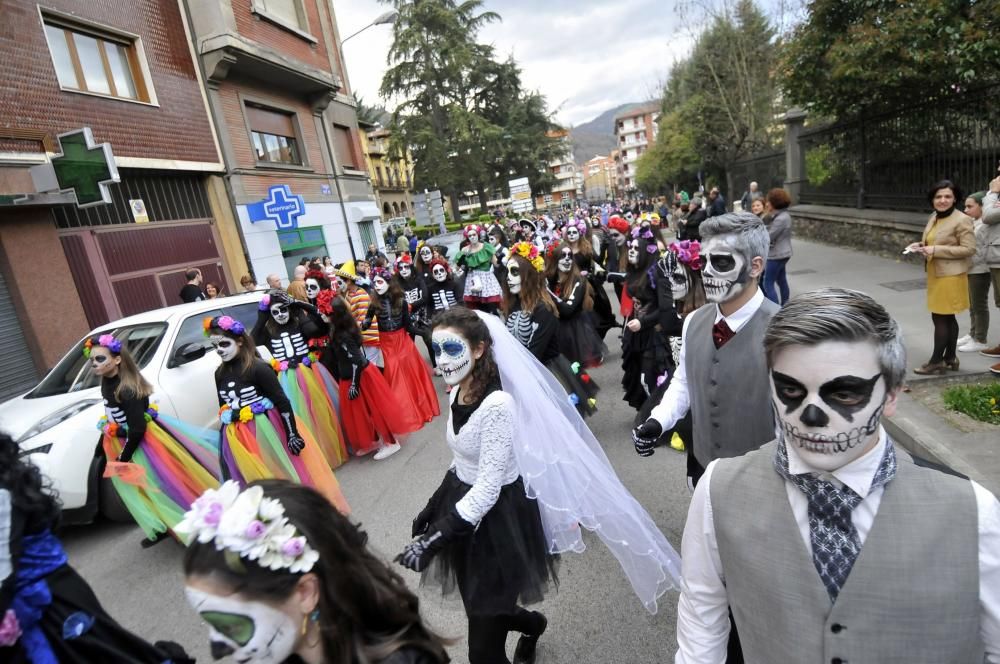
(922, 50)
(671, 161)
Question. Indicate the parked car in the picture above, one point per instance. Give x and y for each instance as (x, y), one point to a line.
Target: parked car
(55, 423)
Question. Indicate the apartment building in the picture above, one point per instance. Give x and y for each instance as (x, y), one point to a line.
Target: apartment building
(635, 131)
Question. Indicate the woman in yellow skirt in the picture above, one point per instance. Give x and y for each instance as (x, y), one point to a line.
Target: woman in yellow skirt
(948, 245)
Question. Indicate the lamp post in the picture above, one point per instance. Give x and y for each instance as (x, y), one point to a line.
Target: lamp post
(388, 17)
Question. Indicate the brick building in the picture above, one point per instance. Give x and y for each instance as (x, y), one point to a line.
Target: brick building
(288, 129)
(635, 131)
(391, 178)
(125, 69)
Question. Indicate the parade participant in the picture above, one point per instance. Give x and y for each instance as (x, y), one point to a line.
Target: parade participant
(260, 437)
(156, 468)
(527, 474)
(422, 264)
(576, 237)
(370, 410)
(48, 613)
(405, 371)
(645, 353)
(418, 299)
(617, 261)
(482, 290)
(531, 314)
(444, 292)
(578, 340)
(360, 301)
(284, 326)
(599, 240)
(815, 540)
(265, 569)
(316, 282)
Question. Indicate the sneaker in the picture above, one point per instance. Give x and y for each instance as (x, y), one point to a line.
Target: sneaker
(991, 352)
(995, 368)
(386, 451)
(972, 347)
(964, 340)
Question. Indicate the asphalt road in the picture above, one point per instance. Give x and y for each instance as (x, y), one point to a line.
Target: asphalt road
(593, 617)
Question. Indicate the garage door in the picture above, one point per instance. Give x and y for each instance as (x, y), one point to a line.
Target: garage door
(17, 371)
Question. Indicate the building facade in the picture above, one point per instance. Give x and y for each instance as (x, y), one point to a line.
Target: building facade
(125, 70)
(563, 168)
(600, 181)
(635, 132)
(288, 130)
(392, 179)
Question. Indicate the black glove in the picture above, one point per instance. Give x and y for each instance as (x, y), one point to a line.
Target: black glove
(367, 323)
(307, 306)
(645, 435)
(353, 392)
(418, 554)
(295, 442)
(616, 277)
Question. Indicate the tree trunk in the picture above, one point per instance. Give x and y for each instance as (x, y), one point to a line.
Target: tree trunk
(484, 207)
(729, 190)
(452, 194)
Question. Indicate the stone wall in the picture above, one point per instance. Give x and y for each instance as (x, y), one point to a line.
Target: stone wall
(880, 232)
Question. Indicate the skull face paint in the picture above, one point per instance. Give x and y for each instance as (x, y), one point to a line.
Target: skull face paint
(439, 273)
(281, 313)
(565, 260)
(249, 631)
(633, 252)
(829, 400)
(405, 270)
(453, 354)
(572, 234)
(617, 238)
(312, 288)
(224, 346)
(380, 285)
(513, 276)
(726, 272)
(426, 255)
(679, 284)
(595, 222)
(103, 362)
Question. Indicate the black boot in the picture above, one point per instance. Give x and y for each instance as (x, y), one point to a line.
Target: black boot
(524, 653)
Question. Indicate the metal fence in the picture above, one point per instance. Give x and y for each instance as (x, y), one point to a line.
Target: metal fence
(889, 161)
(766, 169)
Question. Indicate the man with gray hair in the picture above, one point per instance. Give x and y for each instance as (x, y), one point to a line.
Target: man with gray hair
(826, 544)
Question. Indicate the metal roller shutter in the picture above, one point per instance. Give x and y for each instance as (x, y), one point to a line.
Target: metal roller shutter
(17, 371)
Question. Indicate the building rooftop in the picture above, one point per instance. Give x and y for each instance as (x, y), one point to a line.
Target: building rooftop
(638, 109)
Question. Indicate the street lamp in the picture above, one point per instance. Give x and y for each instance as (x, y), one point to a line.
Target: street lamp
(388, 17)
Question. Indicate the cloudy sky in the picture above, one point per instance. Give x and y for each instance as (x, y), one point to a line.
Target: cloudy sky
(585, 56)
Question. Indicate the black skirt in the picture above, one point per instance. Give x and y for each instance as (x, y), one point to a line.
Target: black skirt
(503, 563)
(579, 341)
(580, 387)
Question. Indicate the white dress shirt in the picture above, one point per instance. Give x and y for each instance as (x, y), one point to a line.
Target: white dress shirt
(703, 609)
(676, 401)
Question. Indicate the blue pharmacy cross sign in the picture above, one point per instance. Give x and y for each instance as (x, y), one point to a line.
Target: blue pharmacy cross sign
(281, 207)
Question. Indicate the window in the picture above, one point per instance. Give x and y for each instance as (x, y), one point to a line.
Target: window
(89, 61)
(288, 12)
(274, 136)
(343, 145)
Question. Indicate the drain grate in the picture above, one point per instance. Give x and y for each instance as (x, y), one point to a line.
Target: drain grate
(792, 273)
(905, 286)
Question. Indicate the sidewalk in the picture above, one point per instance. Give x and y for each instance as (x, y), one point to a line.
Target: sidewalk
(899, 286)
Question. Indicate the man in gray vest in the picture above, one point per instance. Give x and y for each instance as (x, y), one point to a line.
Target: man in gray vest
(827, 544)
(722, 375)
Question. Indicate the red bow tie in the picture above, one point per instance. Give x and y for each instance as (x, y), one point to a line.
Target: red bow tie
(721, 333)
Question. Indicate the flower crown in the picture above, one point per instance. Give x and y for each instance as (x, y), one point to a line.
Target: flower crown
(324, 301)
(380, 272)
(551, 248)
(227, 323)
(401, 261)
(529, 252)
(249, 524)
(472, 229)
(106, 340)
(688, 252)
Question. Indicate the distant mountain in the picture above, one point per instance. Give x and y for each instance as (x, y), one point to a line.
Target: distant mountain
(596, 137)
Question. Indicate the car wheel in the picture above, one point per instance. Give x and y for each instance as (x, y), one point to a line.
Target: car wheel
(112, 506)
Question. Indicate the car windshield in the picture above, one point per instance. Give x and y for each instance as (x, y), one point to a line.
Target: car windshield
(73, 373)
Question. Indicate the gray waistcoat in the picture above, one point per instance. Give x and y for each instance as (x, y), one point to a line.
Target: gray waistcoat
(729, 387)
(912, 596)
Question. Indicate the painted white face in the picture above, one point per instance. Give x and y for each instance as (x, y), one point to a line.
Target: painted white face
(312, 288)
(103, 362)
(572, 234)
(453, 354)
(280, 313)
(224, 346)
(513, 276)
(426, 255)
(494, 240)
(439, 273)
(679, 285)
(249, 631)
(726, 272)
(617, 237)
(565, 260)
(380, 285)
(595, 222)
(405, 270)
(633, 252)
(829, 400)
(341, 285)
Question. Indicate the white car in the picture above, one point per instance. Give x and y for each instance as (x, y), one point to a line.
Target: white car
(55, 424)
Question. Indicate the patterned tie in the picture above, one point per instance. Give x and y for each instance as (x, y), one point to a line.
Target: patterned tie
(721, 333)
(834, 539)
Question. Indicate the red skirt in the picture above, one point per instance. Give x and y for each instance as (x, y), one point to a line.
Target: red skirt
(409, 376)
(375, 414)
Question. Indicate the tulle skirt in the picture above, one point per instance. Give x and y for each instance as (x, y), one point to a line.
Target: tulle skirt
(375, 414)
(169, 470)
(482, 287)
(604, 315)
(580, 342)
(503, 562)
(311, 390)
(581, 389)
(645, 358)
(408, 376)
(258, 450)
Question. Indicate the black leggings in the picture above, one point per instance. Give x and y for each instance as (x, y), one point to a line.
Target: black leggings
(426, 336)
(945, 337)
(488, 634)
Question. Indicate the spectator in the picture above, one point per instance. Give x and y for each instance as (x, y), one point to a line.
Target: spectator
(248, 284)
(757, 207)
(779, 228)
(716, 203)
(991, 217)
(413, 243)
(297, 289)
(192, 290)
(374, 254)
(403, 242)
(979, 281)
(211, 291)
(749, 196)
(692, 222)
(273, 281)
(948, 244)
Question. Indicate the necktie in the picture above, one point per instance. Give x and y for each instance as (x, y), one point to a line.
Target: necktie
(721, 333)
(834, 539)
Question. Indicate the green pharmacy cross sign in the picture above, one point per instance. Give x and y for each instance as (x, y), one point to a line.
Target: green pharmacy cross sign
(84, 168)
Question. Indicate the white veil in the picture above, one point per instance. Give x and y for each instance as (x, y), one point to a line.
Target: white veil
(565, 469)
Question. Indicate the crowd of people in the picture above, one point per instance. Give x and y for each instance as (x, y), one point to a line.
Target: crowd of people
(806, 528)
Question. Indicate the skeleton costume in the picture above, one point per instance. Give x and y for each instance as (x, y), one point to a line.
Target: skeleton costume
(284, 326)
(261, 436)
(578, 340)
(157, 468)
(482, 290)
(645, 352)
(602, 317)
(418, 298)
(443, 291)
(405, 370)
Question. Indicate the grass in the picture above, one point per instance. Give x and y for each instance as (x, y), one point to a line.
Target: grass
(980, 402)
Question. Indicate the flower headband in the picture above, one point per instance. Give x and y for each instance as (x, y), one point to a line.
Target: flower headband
(403, 260)
(227, 323)
(688, 252)
(324, 302)
(106, 340)
(249, 524)
(529, 252)
(472, 229)
(380, 272)
(551, 248)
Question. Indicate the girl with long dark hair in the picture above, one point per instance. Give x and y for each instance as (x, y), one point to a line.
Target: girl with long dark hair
(644, 351)
(157, 468)
(280, 576)
(577, 237)
(579, 341)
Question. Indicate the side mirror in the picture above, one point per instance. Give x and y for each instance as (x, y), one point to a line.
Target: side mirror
(188, 353)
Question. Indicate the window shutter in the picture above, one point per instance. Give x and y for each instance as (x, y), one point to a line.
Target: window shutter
(270, 122)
